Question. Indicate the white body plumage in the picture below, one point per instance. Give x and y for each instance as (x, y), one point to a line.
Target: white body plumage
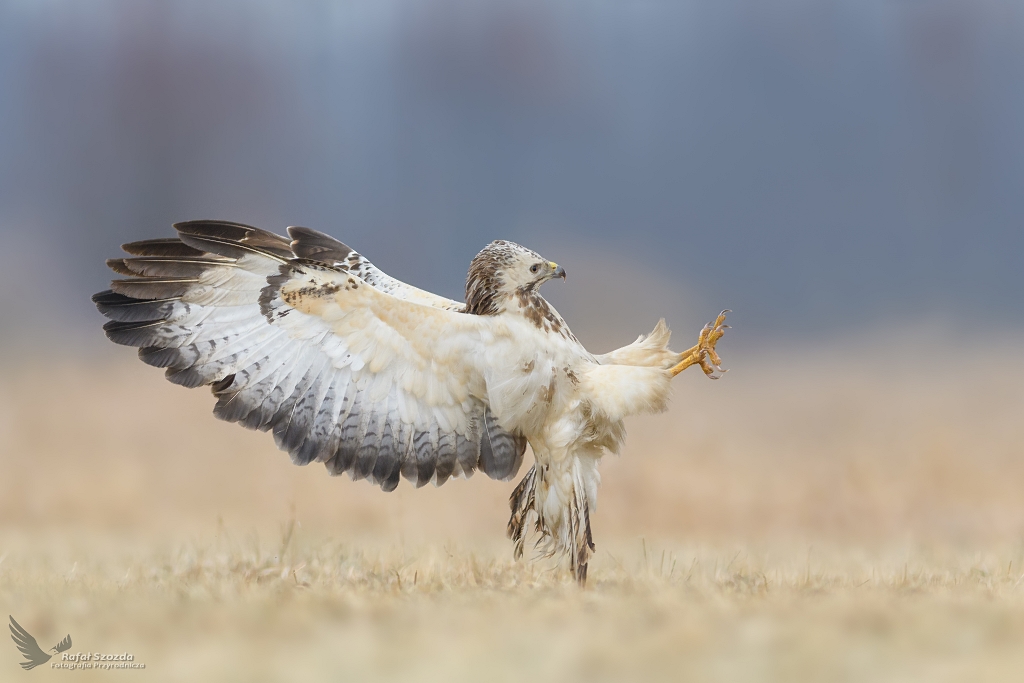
(350, 367)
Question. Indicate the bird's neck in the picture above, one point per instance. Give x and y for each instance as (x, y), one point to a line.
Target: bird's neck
(528, 303)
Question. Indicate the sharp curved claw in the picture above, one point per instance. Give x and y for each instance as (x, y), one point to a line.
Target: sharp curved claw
(713, 372)
(704, 354)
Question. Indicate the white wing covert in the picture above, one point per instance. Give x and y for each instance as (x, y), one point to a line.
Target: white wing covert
(346, 365)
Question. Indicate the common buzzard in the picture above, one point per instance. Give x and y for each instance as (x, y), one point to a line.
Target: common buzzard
(368, 375)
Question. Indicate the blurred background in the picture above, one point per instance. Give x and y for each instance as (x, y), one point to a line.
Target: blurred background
(846, 175)
(816, 165)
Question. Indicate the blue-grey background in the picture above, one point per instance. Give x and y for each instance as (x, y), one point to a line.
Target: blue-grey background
(820, 166)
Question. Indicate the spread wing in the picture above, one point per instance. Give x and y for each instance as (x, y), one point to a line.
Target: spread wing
(344, 364)
(28, 646)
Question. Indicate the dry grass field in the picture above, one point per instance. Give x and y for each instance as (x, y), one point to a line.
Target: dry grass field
(839, 514)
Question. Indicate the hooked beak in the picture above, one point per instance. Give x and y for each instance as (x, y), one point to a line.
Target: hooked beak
(557, 271)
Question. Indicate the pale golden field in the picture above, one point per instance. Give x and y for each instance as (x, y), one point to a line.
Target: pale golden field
(837, 514)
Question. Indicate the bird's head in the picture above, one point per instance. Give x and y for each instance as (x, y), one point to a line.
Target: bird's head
(502, 268)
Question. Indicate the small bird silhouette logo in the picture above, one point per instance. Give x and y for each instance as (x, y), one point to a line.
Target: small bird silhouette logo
(30, 648)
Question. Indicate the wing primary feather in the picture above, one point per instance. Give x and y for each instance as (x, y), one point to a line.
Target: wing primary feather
(164, 246)
(387, 466)
(153, 288)
(366, 454)
(168, 266)
(119, 266)
(467, 452)
(314, 245)
(423, 457)
(307, 432)
(233, 239)
(446, 457)
(121, 308)
(348, 421)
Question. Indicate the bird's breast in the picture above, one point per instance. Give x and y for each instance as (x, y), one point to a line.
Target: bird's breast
(533, 376)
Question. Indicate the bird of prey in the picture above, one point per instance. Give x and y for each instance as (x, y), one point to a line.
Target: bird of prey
(30, 648)
(350, 367)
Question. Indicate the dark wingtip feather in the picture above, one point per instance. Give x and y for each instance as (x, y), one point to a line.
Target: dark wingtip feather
(131, 333)
(188, 377)
(232, 239)
(153, 288)
(317, 246)
(219, 386)
(164, 246)
(128, 309)
(215, 228)
(166, 357)
(120, 267)
(168, 266)
(109, 297)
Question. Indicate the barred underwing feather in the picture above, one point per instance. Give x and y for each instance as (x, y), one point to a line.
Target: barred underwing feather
(446, 451)
(501, 453)
(422, 459)
(292, 426)
(445, 458)
(388, 465)
(348, 445)
(313, 436)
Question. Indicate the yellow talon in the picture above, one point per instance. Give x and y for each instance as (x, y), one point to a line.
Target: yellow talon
(704, 353)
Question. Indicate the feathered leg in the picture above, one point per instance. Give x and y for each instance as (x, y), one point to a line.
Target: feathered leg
(522, 502)
(568, 532)
(580, 540)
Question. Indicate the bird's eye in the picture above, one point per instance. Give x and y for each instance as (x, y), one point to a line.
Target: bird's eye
(534, 268)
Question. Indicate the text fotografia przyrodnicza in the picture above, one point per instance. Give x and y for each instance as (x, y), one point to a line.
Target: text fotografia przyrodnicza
(97, 660)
